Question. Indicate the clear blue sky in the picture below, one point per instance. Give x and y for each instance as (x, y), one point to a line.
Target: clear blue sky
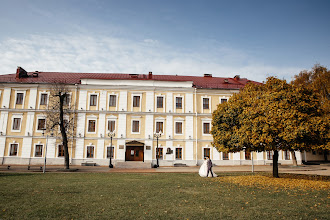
(254, 39)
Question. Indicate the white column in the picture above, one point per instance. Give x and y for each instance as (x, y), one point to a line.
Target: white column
(103, 101)
(29, 124)
(102, 125)
(169, 102)
(3, 122)
(189, 150)
(100, 149)
(189, 127)
(26, 147)
(2, 145)
(82, 100)
(169, 126)
(32, 98)
(121, 126)
(189, 102)
(51, 147)
(123, 101)
(81, 119)
(6, 98)
(149, 124)
(150, 101)
(79, 154)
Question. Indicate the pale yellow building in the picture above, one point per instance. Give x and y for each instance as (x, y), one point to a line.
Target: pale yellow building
(133, 106)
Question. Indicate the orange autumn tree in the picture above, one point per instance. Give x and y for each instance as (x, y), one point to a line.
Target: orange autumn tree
(269, 117)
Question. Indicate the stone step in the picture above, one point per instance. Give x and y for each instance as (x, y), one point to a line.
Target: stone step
(133, 165)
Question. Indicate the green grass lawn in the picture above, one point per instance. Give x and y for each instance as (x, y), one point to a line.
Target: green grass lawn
(151, 196)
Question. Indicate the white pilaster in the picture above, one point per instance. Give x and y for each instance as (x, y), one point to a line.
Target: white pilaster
(148, 153)
(3, 122)
(6, 97)
(149, 101)
(121, 152)
(26, 147)
(51, 148)
(123, 101)
(169, 126)
(260, 155)
(2, 145)
(79, 148)
(169, 144)
(189, 102)
(169, 102)
(121, 126)
(149, 122)
(103, 101)
(82, 100)
(237, 156)
(32, 98)
(81, 119)
(215, 153)
(100, 149)
(189, 127)
(101, 125)
(29, 124)
(189, 150)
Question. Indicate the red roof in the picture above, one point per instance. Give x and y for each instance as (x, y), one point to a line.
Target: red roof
(74, 78)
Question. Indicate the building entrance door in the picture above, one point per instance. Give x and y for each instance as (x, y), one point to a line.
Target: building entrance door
(134, 153)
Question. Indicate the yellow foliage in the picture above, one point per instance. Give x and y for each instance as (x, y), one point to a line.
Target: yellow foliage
(287, 182)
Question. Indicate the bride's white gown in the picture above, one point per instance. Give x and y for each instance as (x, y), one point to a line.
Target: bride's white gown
(203, 170)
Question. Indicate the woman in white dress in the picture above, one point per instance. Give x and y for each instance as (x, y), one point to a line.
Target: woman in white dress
(203, 170)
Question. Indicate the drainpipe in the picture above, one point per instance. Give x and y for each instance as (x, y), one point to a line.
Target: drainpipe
(196, 141)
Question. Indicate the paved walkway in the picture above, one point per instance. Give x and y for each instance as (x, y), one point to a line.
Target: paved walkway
(322, 169)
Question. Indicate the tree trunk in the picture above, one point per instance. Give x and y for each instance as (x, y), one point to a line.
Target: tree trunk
(275, 164)
(294, 159)
(63, 133)
(325, 154)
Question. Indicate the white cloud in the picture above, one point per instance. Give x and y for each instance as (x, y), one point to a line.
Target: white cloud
(81, 53)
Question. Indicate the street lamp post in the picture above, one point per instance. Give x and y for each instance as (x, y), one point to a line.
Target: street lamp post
(157, 135)
(111, 134)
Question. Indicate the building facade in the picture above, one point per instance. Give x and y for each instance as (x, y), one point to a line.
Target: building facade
(132, 106)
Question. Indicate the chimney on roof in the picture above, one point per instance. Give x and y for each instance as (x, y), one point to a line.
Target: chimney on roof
(207, 75)
(226, 81)
(21, 73)
(237, 77)
(150, 75)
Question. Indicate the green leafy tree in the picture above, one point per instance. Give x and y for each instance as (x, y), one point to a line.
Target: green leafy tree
(269, 117)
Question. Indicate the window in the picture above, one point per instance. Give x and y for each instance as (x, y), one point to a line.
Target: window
(41, 124)
(112, 101)
(206, 152)
(159, 126)
(159, 152)
(13, 149)
(136, 101)
(19, 98)
(93, 100)
(178, 153)
(206, 128)
(43, 99)
(91, 125)
(225, 156)
(247, 155)
(17, 124)
(60, 152)
(269, 155)
(178, 127)
(286, 155)
(111, 126)
(223, 101)
(110, 151)
(38, 150)
(66, 100)
(136, 126)
(90, 152)
(178, 101)
(206, 103)
(160, 101)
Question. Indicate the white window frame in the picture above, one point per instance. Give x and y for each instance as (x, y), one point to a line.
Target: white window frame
(9, 148)
(108, 103)
(210, 103)
(97, 100)
(160, 119)
(90, 145)
(34, 150)
(57, 150)
(179, 146)
(37, 122)
(223, 97)
(16, 115)
(164, 103)
(40, 93)
(206, 120)
(135, 119)
(89, 118)
(179, 120)
(207, 146)
(70, 95)
(140, 104)
(181, 96)
(24, 94)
